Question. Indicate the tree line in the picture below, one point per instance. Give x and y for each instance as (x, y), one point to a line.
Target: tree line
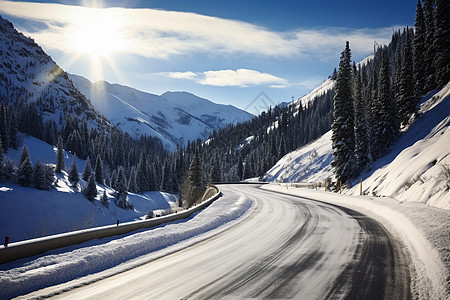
(374, 102)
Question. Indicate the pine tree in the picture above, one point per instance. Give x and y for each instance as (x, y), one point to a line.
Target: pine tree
(121, 186)
(419, 51)
(442, 42)
(214, 173)
(1, 159)
(388, 126)
(166, 182)
(60, 163)
(153, 183)
(240, 168)
(195, 185)
(428, 7)
(361, 132)
(74, 178)
(13, 131)
(282, 147)
(343, 136)
(24, 154)
(105, 200)
(142, 176)
(91, 190)
(49, 171)
(132, 186)
(99, 170)
(406, 100)
(25, 172)
(4, 129)
(87, 170)
(39, 176)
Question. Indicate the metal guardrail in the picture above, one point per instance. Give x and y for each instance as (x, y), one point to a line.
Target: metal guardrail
(40, 245)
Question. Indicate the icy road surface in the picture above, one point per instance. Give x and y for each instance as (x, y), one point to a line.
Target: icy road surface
(289, 247)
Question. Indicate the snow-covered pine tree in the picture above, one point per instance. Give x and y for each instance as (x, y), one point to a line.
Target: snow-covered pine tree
(13, 130)
(132, 186)
(388, 125)
(167, 177)
(195, 185)
(428, 8)
(282, 147)
(153, 181)
(60, 163)
(1, 159)
(4, 129)
(87, 170)
(142, 176)
(121, 186)
(25, 172)
(361, 132)
(49, 171)
(39, 176)
(405, 84)
(240, 168)
(214, 173)
(74, 178)
(343, 135)
(442, 42)
(105, 200)
(99, 170)
(419, 51)
(90, 191)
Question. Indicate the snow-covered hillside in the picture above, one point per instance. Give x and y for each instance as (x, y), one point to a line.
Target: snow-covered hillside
(174, 117)
(28, 212)
(318, 91)
(415, 169)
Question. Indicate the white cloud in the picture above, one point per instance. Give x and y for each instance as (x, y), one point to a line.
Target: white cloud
(180, 75)
(162, 34)
(239, 77)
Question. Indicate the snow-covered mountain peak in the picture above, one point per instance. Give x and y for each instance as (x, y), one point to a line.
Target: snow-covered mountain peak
(173, 117)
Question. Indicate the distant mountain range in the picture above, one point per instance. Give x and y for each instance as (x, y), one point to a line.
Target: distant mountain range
(174, 117)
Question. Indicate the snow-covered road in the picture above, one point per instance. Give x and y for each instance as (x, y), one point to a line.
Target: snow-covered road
(287, 247)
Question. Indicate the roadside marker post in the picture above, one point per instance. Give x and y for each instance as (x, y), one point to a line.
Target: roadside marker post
(360, 188)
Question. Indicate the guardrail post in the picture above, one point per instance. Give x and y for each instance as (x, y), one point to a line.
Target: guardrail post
(6, 241)
(117, 222)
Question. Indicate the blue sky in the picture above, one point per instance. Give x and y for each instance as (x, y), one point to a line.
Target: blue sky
(226, 51)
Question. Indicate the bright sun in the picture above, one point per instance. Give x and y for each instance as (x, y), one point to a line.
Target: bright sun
(97, 36)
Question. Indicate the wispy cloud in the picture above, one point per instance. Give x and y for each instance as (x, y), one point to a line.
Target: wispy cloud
(238, 78)
(163, 34)
(180, 75)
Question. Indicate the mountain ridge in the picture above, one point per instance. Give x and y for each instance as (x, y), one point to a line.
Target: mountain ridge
(174, 117)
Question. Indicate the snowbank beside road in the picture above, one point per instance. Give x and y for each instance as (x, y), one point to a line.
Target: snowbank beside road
(423, 229)
(118, 253)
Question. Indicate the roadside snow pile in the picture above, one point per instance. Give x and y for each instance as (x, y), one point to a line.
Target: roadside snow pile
(29, 213)
(66, 264)
(417, 167)
(423, 229)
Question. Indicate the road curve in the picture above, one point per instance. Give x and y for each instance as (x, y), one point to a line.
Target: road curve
(289, 247)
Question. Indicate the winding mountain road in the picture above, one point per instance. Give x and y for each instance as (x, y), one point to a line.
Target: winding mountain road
(288, 247)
